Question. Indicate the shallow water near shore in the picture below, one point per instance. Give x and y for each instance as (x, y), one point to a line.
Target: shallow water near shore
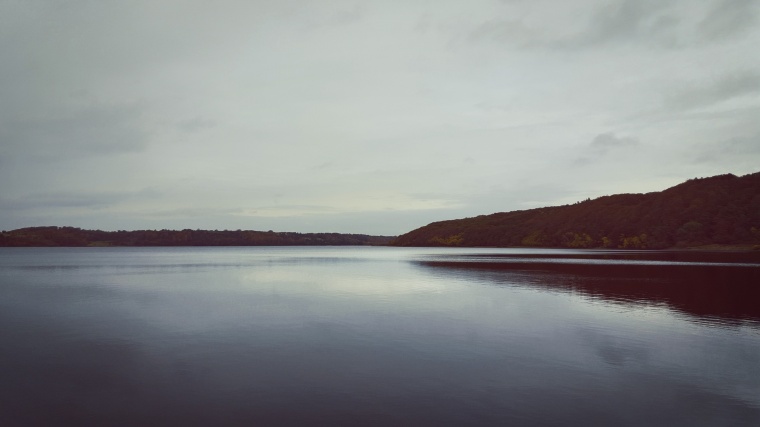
(377, 336)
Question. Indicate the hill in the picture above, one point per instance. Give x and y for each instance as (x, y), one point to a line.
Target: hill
(723, 209)
(71, 236)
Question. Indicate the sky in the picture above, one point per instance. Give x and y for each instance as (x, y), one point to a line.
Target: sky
(363, 117)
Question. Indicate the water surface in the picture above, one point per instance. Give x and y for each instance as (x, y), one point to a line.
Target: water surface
(377, 336)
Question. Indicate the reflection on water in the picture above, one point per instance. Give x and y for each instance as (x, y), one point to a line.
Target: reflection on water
(705, 286)
(375, 336)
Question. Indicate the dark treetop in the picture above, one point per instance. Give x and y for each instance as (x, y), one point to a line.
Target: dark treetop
(723, 209)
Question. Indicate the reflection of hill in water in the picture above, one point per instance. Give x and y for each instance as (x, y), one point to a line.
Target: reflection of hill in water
(714, 288)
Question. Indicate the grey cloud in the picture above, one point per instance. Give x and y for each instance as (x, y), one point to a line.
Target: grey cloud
(615, 22)
(606, 141)
(328, 165)
(190, 212)
(666, 23)
(663, 24)
(339, 17)
(744, 145)
(583, 161)
(620, 21)
(72, 200)
(602, 145)
(505, 31)
(195, 124)
(727, 19)
(706, 94)
(97, 130)
(736, 148)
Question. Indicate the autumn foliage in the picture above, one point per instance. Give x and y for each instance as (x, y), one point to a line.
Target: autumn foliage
(723, 209)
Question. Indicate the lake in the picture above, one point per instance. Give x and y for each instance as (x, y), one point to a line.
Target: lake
(350, 336)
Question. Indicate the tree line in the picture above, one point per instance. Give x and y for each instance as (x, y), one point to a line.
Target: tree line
(723, 209)
(72, 236)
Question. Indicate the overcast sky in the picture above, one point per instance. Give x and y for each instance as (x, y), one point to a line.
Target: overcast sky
(363, 117)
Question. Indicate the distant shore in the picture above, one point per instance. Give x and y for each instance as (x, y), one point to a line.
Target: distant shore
(53, 236)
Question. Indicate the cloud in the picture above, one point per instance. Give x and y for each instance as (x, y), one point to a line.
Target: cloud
(195, 124)
(623, 21)
(189, 212)
(505, 31)
(67, 133)
(602, 145)
(665, 23)
(72, 200)
(352, 203)
(728, 19)
(643, 23)
(728, 87)
(740, 150)
(581, 25)
(336, 16)
(608, 141)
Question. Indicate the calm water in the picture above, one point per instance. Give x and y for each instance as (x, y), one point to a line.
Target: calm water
(377, 336)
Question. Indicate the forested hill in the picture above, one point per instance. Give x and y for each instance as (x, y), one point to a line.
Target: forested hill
(71, 236)
(723, 209)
